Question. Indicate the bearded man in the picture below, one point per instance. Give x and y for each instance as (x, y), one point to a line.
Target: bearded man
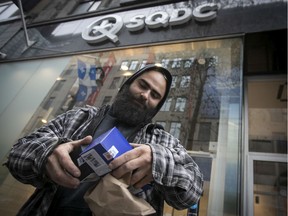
(43, 160)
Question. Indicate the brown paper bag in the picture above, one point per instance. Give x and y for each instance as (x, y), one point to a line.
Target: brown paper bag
(112, 198)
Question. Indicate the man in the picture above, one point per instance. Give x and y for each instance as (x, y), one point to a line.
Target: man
(43, 157)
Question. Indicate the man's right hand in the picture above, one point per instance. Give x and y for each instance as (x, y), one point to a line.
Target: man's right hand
(60, 167)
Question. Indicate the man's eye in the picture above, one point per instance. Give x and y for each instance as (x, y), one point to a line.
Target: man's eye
(143, 85)
(155, 95)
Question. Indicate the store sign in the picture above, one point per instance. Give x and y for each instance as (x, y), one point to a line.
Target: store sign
(107, 27)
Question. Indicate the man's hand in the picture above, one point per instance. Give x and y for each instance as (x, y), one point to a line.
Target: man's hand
(138, 161)
(60, 167)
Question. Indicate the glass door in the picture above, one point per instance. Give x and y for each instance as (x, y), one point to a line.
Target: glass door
(267, 184)
(265, 173)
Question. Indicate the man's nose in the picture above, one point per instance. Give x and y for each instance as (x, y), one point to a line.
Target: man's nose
(144, 95)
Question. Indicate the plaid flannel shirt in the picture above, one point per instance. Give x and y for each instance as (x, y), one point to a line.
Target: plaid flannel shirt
(177, 178)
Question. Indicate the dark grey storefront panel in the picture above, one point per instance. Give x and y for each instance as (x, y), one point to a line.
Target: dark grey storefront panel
(230, 21)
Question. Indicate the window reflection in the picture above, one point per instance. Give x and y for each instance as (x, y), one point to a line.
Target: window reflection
(165, 63)
(180, 104)
(202, 109)
(162, 123)
(8, 10)
(175, 129)
(68, 28)
(166, 105)
(176, 63)
(185, 81)
(271, 113)
(270, 188)
(107, 100)
(86, 6)
(114, 83)
(174, 80)
(133, 65)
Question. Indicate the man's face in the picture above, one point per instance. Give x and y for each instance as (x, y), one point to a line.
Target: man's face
(137, 103)
(148, 89)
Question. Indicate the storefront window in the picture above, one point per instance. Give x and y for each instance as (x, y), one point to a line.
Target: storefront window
(202, 110)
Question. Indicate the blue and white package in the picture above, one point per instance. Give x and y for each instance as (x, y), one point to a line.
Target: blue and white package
(104, 149)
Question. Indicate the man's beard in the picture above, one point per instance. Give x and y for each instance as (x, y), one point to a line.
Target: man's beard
(128, 112)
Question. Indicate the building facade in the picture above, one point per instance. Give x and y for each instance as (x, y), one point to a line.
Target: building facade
(228, 100)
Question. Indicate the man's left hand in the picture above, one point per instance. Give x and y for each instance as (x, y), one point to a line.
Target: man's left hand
(138, 161)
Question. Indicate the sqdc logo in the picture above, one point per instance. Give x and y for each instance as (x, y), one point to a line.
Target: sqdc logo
(108, 26)
(102, 29)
